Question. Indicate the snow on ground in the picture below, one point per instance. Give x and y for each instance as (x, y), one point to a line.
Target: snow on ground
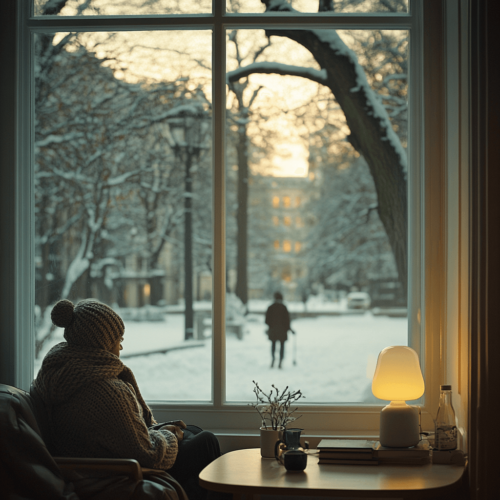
(332, 355)
(335, 357)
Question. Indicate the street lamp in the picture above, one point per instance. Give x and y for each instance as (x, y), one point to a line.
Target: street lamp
(189, 130)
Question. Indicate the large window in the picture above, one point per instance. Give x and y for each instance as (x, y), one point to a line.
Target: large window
(123, 194)
(187, 166)
(290, 143)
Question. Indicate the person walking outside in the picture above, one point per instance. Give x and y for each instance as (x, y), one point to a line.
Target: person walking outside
(278, 321)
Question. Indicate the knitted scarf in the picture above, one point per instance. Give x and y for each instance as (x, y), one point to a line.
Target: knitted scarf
(66, 370)
(92, 407)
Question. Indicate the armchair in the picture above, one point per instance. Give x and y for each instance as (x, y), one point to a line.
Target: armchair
(28, 470)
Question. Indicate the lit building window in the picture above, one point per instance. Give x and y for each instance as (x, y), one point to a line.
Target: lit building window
(287, 246)
(276, 244)
(286, 201)
(287, 221)
(276, 220)
(276, 201)
(297, 201)
(286, 276)
(298, 246)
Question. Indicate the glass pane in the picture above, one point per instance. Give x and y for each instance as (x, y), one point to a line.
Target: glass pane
(120, 7)
(317, 209)
(123, 183)
(339, 6)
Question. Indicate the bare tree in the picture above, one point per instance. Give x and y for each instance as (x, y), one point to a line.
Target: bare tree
(239, 118)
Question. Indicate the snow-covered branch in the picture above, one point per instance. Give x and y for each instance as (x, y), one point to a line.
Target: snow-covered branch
(58, 139)
(313, 74)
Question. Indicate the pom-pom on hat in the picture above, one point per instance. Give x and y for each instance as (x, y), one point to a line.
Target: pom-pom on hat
(88, 324)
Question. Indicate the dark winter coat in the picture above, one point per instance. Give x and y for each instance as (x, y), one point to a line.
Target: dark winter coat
(278, 320)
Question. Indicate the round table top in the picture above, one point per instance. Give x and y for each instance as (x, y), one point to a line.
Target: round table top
(244, 471)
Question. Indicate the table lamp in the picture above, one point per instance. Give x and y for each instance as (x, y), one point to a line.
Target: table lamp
(397, 379)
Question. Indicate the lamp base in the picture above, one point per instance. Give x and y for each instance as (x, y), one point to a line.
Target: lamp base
(399, 425)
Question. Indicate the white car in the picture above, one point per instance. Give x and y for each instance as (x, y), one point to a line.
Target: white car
(358, 300)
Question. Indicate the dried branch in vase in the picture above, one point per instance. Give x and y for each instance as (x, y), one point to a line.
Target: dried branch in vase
(274, 408)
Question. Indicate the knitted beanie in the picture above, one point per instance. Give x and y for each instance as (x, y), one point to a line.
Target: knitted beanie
(88, 324)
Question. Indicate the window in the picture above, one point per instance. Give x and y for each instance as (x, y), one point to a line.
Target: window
(298, 246)
(215, 281)
(287, 220)
(276, 245)
(287, 246)
(276, 220)
(286, 201)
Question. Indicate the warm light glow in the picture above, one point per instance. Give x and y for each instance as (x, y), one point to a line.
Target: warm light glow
(298, 246)
(291, 160)
(147, 290)
(287, 221)
(276, 201)
(276, 244)
(397, 375)
(287, 246)
(286, 201)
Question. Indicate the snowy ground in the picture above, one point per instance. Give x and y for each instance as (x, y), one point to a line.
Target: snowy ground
(331, 358)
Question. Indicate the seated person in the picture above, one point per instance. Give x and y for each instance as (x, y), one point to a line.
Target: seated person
(93, 407)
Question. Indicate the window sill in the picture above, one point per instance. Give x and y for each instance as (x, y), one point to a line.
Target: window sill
(231, 440)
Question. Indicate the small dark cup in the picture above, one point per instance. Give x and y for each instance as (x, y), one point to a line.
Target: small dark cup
(295, 460)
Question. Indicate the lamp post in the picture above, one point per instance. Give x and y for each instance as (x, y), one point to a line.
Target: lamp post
(189, 131)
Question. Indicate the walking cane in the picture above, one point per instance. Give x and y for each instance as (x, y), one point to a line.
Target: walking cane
(294, 348)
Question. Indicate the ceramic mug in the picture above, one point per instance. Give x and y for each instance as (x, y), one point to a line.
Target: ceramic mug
(295, 460)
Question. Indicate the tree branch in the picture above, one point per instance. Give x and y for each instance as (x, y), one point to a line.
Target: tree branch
(318, 76)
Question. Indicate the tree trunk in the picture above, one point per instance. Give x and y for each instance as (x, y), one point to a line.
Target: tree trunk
(156, 292)
(242, 217)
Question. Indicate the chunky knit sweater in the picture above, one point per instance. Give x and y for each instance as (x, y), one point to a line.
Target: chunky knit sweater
(92, 407)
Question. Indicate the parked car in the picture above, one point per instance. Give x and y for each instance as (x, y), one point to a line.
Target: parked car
(358, 300)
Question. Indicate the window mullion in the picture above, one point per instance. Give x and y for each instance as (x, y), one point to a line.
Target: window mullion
(219, 198)
(416, 309)
(24, 204)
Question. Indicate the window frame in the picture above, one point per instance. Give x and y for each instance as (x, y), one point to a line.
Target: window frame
(423, 313)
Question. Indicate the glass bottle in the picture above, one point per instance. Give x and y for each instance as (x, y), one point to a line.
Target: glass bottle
(446, 429)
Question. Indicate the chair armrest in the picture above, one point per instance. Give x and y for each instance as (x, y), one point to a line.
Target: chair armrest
(125, 465)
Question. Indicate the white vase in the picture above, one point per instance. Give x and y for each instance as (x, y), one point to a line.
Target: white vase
(268, 439)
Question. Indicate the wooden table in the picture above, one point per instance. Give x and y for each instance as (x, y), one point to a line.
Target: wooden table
(244, 472)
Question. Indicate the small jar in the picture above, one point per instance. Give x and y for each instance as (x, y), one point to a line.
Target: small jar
(446, 427)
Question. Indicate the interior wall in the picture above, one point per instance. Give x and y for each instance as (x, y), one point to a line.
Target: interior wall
(484, 298)
(7, 180)
(455, 343)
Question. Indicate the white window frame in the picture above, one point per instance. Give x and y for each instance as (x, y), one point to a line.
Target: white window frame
(234, 419)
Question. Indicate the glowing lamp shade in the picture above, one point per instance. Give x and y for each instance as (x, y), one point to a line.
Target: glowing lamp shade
(398, 378)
